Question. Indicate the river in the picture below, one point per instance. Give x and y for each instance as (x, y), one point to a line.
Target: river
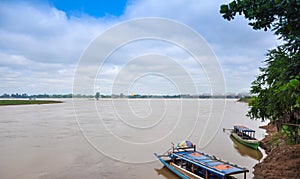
(116, 138)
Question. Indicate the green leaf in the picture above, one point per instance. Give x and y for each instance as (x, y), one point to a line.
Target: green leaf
(294, 82)
(282, 88)
(224, 9)
(232, 5)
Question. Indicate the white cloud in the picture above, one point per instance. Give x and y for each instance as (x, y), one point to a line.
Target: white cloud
(234, 42)
(40, 46)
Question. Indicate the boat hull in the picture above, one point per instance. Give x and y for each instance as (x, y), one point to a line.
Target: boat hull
(250, 143)
(245, 150)
(172, 168)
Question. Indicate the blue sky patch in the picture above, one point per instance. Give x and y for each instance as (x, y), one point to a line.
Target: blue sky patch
(95, 8)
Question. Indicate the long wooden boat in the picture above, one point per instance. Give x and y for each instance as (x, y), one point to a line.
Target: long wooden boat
(244, 150)
(187, 163)
(245, 136)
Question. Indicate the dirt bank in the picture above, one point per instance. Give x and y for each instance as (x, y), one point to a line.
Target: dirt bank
(283, 160)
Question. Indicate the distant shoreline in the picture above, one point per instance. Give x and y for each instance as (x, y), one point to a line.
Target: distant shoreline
(245, 99)
(26, 102)
(46, 96)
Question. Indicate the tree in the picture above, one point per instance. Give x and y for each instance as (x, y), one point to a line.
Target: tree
(277, 88)
(5, 96)
(97, 96)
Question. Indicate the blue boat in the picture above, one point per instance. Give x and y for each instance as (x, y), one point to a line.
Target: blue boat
(187, 163)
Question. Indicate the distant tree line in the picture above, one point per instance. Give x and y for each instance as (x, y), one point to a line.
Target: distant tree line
(25, 95)
(141, 96)
(97, 96)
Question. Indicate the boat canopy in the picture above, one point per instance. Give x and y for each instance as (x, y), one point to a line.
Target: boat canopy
(210, 163)
(243, 129)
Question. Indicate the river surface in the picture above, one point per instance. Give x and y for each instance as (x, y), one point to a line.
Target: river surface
(116, 138)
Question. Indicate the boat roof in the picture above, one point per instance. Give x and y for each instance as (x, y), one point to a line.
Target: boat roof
(210, 163)
(243, 128)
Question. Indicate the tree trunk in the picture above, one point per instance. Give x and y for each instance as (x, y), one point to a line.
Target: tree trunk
(278, 125)
(297, 137)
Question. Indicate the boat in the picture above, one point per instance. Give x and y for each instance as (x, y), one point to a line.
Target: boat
(244, 150)
(245, 136)
(188, 163)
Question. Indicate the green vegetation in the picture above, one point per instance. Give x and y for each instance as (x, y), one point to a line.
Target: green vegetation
(283, 135)
(25, 102)
(277, 88)
(245, 99)
(276, 139)
(289, 134)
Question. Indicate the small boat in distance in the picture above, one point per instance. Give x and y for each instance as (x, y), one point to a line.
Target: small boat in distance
(187, 163)
(245, 136)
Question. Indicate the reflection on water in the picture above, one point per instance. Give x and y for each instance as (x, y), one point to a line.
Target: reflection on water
(165, 172)
(246, 151)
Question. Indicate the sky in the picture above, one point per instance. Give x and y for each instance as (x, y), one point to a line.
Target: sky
(43, 43)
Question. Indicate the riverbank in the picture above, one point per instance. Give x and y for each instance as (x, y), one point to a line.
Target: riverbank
(282, 161)
(26, 102)
(245, 99)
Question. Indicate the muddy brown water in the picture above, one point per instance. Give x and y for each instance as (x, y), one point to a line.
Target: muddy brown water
(116, 138)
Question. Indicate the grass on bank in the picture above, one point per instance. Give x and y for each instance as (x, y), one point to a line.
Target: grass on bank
(245, 99)
(26, 102)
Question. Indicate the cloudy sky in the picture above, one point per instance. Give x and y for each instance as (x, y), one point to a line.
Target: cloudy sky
(42, 44)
